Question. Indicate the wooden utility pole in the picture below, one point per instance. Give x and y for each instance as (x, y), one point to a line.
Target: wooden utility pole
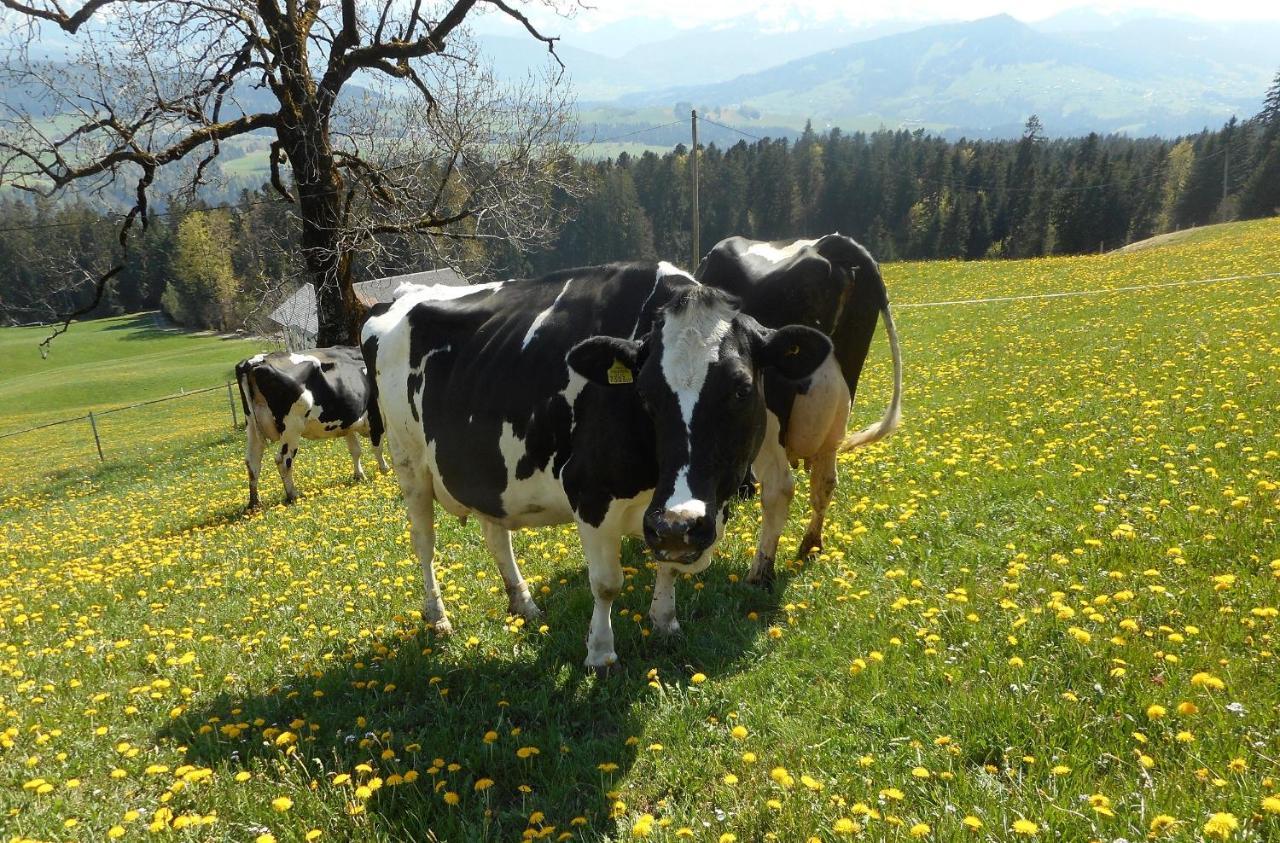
(1226, 168)
(697, 247)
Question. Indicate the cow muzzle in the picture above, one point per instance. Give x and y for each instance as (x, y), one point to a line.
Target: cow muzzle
(679, 535)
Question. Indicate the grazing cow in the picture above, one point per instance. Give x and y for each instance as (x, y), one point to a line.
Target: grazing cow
(625, 398)
(833, 285)
(322, 393)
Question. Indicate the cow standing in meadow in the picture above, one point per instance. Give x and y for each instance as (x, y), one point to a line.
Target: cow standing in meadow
(322, 393)
(627, 399)
(831, 284)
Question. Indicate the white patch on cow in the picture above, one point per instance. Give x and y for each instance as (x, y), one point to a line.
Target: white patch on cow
(774, 254)
(690, 347)
(299, 359)
(442, 292)
(256, 359)
(542, 317)
(665, 268)
(535, 501)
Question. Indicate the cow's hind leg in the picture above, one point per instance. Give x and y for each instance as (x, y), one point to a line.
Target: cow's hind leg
(419, 500)
(776, 490)
(353, 446)
(254, 446)
(822, 484)
(601, 547)
(382, 461)
(498, 539)
(286, 456)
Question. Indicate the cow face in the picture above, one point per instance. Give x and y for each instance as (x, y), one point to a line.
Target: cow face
(698, 376)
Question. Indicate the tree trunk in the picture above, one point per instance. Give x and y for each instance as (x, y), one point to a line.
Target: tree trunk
(320, 189)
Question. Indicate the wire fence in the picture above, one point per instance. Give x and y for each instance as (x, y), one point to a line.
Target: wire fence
(125, 434)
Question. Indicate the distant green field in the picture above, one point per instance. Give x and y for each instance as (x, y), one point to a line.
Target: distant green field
(1047, 609)
(100, 365)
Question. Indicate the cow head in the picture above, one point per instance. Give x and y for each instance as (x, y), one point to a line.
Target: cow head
(698, 376)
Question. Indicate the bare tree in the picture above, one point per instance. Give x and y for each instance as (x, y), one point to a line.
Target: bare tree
(385, 118)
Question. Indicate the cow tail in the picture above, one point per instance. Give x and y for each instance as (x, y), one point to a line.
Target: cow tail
(244, 370)
(841, 248)
(369, 349)
(893, 415)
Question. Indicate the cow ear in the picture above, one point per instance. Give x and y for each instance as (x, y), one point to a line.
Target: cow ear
(795, 351)
(608, 361)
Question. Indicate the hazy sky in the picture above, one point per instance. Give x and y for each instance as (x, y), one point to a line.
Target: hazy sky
(785, 14)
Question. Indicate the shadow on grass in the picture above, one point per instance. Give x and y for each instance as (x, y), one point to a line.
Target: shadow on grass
(431, 700)
(147, 325)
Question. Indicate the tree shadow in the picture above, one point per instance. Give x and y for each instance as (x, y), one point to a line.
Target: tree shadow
(457, 713)
(147, 325)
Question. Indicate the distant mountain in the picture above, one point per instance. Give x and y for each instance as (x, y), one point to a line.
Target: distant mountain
(706, 54)
(984, 77)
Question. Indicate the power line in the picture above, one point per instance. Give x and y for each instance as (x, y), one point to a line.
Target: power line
(639, 131)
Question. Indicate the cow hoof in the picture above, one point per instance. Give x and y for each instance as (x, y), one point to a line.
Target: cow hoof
(604, 671)
(809, 544)
(290, 500)
(526, 609)
(761, 574)
(668, 628)
(253, 505)
(441, 627)
(358, 478)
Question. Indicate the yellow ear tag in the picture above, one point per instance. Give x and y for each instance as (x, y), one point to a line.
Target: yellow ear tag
(620, 372)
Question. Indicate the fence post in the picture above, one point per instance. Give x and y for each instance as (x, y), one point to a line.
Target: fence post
(96, 441)
(231, 402)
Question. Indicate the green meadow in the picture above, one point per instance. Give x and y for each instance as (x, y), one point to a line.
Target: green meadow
(1045, 609)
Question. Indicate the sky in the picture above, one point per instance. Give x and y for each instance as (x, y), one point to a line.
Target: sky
(787, 14)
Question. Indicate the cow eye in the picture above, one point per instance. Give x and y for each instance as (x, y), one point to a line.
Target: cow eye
(743, 390)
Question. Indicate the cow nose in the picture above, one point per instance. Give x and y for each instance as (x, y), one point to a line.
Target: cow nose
(676, 534)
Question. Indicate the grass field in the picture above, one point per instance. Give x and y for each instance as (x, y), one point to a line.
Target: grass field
(98, 366)
(1047, 609)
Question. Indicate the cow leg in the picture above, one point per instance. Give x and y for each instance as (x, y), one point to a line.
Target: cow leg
(353, 446)
(822, 484)
(601, 549)
(382, 461)
(419, 501)
(498, 539)
(254, 446)
(776, 490)
(286, 455)
(662, 611)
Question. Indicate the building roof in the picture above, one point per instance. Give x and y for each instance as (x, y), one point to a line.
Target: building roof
(298, 311)
(381, 289)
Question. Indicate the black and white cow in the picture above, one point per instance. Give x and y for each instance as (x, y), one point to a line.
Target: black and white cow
(626, 399)
(831, 284)
(322, 393)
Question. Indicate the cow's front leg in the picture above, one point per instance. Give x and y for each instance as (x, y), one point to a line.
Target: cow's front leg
(776, 490)
(286, 456)
(353, 446)
(662, 611)
(601, 547)
(498, 539)
(254, 446)
(382, 461)
(419, 499)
